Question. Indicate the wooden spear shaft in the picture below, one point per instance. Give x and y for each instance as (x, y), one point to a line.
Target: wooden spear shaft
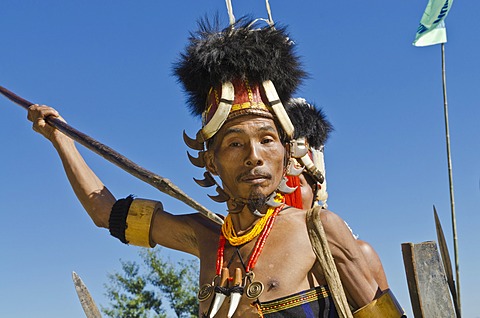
(450, 179)
(160, 183)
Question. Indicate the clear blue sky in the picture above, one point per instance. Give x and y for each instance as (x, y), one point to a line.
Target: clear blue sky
(106, 66)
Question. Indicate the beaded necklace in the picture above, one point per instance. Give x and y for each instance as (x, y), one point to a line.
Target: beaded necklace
(228, 231)
(255, 288)
(263, 227)
(257, 250)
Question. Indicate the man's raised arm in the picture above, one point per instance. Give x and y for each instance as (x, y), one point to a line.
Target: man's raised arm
(89, 189)
(149, 224)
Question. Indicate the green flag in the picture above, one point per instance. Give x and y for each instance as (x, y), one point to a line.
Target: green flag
(432, 27)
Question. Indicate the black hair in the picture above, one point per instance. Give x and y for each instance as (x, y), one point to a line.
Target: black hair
(309, 122)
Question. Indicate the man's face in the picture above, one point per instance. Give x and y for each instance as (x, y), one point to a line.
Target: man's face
(248, 155)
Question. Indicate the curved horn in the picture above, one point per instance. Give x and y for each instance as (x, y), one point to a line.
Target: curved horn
(298, 147)
(197, 162)
(192, 143)
(308, 163)
(271, 201)
(292, 169)
(221, 197)
(236, 293)
(284, 188)
(221, 114)
(221, 293)
(278, 108)
(258, 214)
(208, 180)
(236, 206)
(236, 209)
(234, 301)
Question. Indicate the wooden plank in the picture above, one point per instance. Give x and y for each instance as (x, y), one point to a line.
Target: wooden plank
(426, 280)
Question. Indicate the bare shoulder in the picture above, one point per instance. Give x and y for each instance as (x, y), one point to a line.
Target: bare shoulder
(292, 216)
(296, 216)
(292, 222)
(330, 219)
(343, 244)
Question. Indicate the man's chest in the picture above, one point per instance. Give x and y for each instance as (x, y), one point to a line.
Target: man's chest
(276, 268)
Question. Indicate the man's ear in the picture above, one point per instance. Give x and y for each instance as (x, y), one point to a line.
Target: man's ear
(210, 162)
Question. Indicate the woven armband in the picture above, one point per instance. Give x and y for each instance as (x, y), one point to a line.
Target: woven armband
(385, 306)
(131, 220)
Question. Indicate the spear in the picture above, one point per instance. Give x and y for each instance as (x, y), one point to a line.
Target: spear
(447, 264)
(158, 182)
(86, 299)
(450, 177)
(432, 31)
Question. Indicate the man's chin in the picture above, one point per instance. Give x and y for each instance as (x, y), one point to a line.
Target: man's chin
(254, 192)
(256, 202)
(260, 191)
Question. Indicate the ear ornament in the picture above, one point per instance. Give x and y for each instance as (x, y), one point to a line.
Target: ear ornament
(208, 180)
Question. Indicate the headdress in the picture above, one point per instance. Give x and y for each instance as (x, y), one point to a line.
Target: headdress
(240, 70)
(311, 128)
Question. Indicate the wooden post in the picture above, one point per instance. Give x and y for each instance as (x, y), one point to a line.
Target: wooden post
(427, 281)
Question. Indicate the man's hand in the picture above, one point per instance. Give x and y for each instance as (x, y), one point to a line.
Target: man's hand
(37, 114)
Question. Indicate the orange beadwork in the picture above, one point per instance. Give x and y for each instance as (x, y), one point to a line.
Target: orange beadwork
(261, 240)
(221, 248)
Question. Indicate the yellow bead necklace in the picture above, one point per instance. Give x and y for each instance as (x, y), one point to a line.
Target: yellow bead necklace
(229, 231)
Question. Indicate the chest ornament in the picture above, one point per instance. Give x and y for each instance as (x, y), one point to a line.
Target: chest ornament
(223, 285)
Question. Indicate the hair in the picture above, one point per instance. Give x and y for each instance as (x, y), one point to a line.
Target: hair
(309, 122)
(240, 51)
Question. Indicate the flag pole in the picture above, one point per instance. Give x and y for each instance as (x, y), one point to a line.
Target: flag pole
(450, 177)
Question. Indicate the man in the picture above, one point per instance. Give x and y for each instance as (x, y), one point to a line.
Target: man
(261, 259)
(311, 125)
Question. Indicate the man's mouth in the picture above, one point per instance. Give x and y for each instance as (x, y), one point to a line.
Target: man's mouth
(254, 178)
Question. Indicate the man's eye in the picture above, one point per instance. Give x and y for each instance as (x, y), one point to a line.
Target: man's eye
(235, 144)
(267, 140)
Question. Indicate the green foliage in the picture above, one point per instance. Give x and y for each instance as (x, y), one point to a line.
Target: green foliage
(153, 289)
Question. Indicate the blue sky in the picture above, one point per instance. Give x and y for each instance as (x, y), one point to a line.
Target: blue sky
(106, 66)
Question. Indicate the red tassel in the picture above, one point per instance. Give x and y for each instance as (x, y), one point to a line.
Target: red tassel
(294, 199)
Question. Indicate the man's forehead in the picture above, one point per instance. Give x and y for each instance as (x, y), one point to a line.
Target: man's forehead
(244, 123)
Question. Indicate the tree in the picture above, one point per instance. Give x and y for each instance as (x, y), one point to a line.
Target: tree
(154, 288)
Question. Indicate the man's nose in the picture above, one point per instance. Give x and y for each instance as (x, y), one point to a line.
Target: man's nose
(253, 158)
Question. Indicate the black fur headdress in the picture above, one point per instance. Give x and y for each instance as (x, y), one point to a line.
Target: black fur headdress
(214, 56)
(309, 122)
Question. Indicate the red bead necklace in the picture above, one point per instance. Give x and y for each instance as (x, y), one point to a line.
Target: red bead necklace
(257, 250)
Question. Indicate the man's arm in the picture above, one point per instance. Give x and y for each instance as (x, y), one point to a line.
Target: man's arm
(166, 229)
(90, 191)
(374, 263)
(359, 284)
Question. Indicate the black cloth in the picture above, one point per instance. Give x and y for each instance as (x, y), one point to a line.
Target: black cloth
(311, 303)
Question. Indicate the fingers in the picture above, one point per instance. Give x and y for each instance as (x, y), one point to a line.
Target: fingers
(37, 111)
(38, 114)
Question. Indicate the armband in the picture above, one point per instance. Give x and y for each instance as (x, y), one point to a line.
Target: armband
(131, 220)
(385, 306)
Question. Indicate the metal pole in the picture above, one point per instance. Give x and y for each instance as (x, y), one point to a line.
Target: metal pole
(450, 177)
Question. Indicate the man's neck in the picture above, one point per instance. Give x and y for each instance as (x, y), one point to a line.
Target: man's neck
(244, 220)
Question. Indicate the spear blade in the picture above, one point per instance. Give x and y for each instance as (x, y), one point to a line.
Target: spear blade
(447, 264)
(160, 183)
(86, 299)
